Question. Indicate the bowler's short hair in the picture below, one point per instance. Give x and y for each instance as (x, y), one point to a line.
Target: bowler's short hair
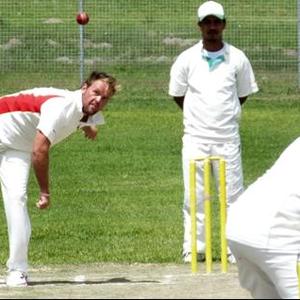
(110, 80)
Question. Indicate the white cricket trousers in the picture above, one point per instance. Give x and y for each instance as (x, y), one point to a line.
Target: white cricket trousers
(14, 174)
(265, 273)
(234, 183)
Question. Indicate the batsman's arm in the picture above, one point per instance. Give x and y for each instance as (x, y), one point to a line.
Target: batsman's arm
(40, 163)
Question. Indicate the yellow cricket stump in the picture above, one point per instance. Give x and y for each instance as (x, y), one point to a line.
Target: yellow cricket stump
(207, 211)
(223, 214)
(298, 273)
(193, 215)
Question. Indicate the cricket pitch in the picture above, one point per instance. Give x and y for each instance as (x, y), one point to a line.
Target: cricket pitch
(127, 281)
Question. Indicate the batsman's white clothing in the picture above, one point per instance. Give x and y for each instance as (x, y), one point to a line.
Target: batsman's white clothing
(266, 222)
(57, 114)
(211, 114)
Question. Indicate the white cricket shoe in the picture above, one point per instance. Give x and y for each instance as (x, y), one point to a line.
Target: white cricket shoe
(187, 257)
(16, 279)
(231, 259)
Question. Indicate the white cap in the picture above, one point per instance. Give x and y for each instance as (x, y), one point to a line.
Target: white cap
(210, 8)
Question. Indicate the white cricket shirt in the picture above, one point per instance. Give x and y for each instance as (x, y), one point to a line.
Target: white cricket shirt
(55, 112)
(211, 106)
(267, 215)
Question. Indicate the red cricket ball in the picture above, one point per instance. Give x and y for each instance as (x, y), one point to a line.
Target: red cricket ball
(82, 18)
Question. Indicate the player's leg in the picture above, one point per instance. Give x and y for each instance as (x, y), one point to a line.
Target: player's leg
(231, 152)
(191, 152)
(252, 276)
(14, 173)
(282, 269)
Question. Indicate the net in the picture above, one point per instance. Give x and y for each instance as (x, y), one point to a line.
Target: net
(43, 36)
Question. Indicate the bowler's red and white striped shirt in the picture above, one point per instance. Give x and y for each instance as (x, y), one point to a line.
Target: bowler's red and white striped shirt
(55, 112)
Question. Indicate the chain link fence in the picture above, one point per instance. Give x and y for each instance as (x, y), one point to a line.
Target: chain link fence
(42, 35)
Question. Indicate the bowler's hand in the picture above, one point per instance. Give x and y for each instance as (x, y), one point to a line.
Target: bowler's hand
(90, 132)
(44, 201)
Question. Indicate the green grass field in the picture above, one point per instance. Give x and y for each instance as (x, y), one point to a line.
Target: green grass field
(119, 199)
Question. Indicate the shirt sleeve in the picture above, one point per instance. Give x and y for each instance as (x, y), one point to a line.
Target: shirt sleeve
(178, 78)
(52, 118)
(246, 83)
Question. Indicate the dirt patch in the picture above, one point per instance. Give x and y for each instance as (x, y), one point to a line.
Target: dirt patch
(113, 281)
